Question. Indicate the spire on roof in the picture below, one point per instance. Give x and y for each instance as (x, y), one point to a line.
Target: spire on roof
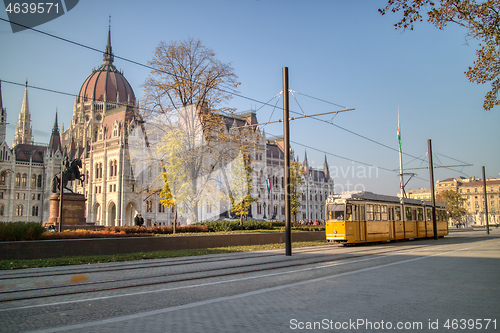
(108, 53)
(55, 138)
(326, 169)
(306, 166)
(3, 118)
(55, 129)
(24, 132)
(1, 104)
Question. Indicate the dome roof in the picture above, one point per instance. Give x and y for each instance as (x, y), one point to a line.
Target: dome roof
(106, 83)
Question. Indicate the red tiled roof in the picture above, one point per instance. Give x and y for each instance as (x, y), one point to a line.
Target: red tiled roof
(480, 183)
(24, 151)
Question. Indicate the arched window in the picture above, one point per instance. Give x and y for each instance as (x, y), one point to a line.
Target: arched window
(116, 168)
(19, 210)
(3, 177)
(18, 179)
(97, 170)
(34, 211)
(111, 169)
(39, 182)
(33, 181)
(100, 170)
(23, 181)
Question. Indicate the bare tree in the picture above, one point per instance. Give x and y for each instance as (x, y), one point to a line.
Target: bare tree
(185, 92)
(188, 73)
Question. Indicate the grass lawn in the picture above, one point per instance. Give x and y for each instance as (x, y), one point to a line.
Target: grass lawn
(81, 260)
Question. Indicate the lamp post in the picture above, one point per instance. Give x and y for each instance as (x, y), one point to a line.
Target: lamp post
(61, 191)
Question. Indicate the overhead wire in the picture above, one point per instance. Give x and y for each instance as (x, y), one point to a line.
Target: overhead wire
(222, 90)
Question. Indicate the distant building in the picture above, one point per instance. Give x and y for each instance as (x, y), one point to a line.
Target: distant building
(472, 190)
(420, 194)
(26, 169)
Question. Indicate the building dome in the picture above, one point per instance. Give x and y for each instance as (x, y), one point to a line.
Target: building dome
(106, 83)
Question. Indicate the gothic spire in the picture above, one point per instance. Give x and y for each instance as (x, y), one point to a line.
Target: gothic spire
(55, 128)
(24, 134)
(326, 169)
(55, 138)
(1, 104)
(108, 54)
(306, 166)
(3, 118)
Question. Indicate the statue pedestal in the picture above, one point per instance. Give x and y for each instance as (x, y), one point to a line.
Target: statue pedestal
(73, 210)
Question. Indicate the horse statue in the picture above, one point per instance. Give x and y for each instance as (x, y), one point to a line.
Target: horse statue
(70, 173)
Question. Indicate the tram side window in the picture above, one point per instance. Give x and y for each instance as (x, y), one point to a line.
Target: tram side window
(397, 213)
(361, 209)
(429, 214)
(369, 212)
(377, 212)
(384, 212)
(441, 215)
(420, 214)
(348, 212)
(408, 213)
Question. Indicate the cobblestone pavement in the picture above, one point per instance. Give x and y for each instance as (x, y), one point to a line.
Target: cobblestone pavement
(448, 285)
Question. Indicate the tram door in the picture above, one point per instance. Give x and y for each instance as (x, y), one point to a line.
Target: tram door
(362, 223)
(392, 232)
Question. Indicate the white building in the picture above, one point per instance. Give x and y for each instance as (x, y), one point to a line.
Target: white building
(105, 120)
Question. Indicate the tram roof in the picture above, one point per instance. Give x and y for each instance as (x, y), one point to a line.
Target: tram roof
(365, 195)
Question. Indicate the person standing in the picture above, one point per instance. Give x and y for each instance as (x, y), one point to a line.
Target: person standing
(137, 220)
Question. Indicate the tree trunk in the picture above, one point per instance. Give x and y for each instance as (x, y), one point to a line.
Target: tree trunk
(175, 219)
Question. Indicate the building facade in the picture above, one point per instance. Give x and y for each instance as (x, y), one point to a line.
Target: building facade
(472, 192)
(105, 120)
(26, 169)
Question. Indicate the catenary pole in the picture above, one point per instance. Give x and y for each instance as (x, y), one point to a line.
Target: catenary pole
(486, 202)
(286, 139)
(61, 190)
(433, 196)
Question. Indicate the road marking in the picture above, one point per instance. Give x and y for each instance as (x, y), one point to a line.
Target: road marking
(323, 265)
(233, 297)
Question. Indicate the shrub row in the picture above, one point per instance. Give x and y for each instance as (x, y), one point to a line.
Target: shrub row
(158, 230)
(20, 231)
(225, 225)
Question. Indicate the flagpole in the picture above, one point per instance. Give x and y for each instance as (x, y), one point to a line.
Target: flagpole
(401, 184)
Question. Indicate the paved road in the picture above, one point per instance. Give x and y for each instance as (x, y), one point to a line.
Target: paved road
(448, 285)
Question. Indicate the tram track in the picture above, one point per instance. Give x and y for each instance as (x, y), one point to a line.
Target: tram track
(192, 275)
(134, 266)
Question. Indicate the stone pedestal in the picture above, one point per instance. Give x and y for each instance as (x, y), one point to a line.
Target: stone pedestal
(73, 210)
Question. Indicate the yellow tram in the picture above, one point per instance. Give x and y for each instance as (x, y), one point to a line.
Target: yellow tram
(360, 217)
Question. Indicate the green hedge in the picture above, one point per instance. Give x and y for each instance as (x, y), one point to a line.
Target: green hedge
(225, 225)
(158, 230)
(20, 231)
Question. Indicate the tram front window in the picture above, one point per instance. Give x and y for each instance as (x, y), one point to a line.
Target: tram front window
(336, 212)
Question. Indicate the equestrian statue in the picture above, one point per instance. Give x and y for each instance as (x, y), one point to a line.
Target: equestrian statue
(71, 172)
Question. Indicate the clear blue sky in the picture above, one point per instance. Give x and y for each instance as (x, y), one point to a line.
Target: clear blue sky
(340, 51)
